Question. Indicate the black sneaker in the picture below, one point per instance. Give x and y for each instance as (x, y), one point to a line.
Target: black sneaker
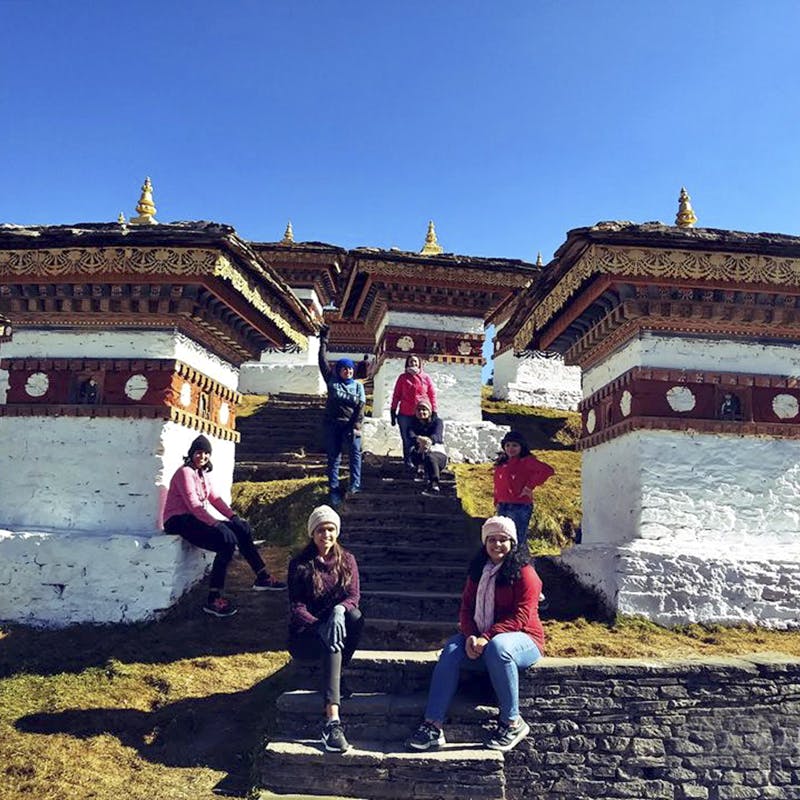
(507, 737)
(427, 736)
(432, 491)
(220, 607)
(265, 583)
(419, 477)
(333, 737)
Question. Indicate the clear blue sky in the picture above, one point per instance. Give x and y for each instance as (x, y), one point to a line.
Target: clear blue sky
(508, 123)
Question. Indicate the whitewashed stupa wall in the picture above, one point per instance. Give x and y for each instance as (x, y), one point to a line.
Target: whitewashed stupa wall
(695, 353)
(537, 380)
(458, 386)
(288, 372)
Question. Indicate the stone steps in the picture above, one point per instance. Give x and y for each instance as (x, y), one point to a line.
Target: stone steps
(388, 576)
(369, 551)
(383, 633)
(456, 772)
(411, 500)
(411, 605)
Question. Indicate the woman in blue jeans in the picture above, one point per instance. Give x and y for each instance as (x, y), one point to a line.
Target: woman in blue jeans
(500, 633)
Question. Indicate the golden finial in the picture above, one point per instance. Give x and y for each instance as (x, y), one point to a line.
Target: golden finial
(539, 262)
(145, 207)
(121, 218)
(288, 234)
(686, 217)
(431, 246)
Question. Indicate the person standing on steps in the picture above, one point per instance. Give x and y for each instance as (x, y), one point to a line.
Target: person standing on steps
(344, 415)
(324, 620)
(427, 453)
(517, 472)
(500, 633)
(410, 387)
(186, 514)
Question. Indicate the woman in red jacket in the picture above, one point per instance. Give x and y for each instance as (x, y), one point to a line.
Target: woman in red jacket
(410, 387)
(500, 634)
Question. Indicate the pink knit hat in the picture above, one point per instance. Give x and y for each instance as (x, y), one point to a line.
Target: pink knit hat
(499, 526)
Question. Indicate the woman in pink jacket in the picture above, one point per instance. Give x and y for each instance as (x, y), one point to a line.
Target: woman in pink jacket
(186, 514)
(410, 387)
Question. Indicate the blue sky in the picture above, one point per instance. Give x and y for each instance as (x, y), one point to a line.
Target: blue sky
(507, 123)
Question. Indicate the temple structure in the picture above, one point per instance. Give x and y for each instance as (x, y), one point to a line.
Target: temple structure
(119, 343)
(388, 304)
(687, 340)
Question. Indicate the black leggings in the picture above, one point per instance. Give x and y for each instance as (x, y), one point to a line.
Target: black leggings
(210, 537)
(307, 646)
(433, 463)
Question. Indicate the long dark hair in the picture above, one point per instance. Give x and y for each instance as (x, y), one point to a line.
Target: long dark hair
(512, 436)
(509, 571)
(308, 568)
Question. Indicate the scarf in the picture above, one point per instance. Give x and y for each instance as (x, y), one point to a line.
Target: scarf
(484, 599)
(345, 362)
(413, 370)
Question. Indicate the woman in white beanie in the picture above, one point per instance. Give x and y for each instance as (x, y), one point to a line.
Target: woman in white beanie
(500, 633)
(324, 620)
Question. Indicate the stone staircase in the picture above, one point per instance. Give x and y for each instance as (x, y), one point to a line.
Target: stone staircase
(412, 552)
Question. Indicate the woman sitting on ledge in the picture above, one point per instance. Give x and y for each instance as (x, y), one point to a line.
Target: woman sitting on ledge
(500, 634)
(324, 621)
(186, 514)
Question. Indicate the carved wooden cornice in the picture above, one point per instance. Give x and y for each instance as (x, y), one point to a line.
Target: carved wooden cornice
(651, 398)
(674, 266)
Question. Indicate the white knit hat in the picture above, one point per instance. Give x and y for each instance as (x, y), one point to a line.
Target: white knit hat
(499, 525)
(323, 514)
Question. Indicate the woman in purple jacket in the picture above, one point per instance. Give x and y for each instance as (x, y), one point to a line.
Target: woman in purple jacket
(324, 620)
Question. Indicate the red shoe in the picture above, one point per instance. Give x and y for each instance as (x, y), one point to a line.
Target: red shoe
(220, 607)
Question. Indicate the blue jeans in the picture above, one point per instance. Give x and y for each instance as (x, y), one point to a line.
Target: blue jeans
(502, 658)
(521, 514)
(404, 423)
(337, 437)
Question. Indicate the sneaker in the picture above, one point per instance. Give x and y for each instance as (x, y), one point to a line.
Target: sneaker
(507, 737)
(266, 583)
(420, 475)
(432, 491)
(427, 736)
(220, 607)
(354, 490)
(333, 737)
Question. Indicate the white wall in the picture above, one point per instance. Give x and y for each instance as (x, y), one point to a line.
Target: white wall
(536, 380)
(56, 580)
(458, 389)
(697, 353)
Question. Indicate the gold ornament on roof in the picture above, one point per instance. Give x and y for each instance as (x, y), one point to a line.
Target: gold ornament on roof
(431, 246)
(121, 218)
(288, 234)
(539, 262)
(145, 207)
(686, 217)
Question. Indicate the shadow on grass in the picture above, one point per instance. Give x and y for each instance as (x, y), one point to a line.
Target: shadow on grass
(222, 731)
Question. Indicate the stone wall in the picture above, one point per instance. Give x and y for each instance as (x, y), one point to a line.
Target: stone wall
(702, 729)
(539, 379)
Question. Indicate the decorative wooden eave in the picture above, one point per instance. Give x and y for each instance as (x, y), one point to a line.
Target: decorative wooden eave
(606, 277)
(308, 265)
(199, 277)
(438, 284)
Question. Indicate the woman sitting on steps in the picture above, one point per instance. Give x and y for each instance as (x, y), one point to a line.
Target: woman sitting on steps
(324, 621)
(500, 633)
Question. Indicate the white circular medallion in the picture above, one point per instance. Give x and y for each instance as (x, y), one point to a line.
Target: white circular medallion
(224, 414)
(464, 347)
(405, 343)
(37, 384)
(785, 406)
(186, 393)
(681, 398)
(625, 403)
(136, 387)
(591, 421)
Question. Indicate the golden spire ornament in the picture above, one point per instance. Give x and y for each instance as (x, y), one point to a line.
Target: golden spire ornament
(686, 217)
(431, 246)
(288, 234)
(121, 218)
(539, 262)
(145, 207)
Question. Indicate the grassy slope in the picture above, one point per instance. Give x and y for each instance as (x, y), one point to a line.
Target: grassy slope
(171, 709)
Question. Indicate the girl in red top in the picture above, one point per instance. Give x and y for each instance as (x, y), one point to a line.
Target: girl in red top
(500, 633)
(410, 387)
(516, 474)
